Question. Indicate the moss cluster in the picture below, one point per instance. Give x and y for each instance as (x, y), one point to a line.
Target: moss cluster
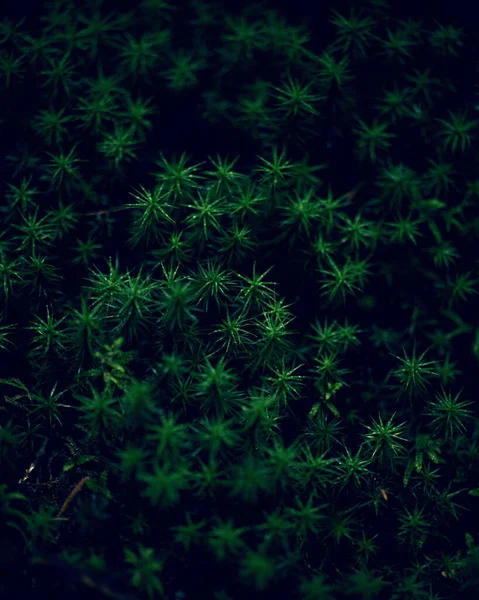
(238, 275)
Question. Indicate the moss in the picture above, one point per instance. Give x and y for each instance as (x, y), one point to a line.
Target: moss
(238, 270)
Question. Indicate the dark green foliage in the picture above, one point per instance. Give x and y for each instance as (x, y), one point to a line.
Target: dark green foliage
(238, 275)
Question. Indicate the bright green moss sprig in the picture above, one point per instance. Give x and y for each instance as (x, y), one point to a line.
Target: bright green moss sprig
(449, 413)
(414, 372)
(152, 209)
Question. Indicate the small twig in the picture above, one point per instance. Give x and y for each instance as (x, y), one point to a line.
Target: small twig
(72, 494)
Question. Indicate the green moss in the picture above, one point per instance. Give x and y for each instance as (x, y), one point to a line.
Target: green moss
(238, 332)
